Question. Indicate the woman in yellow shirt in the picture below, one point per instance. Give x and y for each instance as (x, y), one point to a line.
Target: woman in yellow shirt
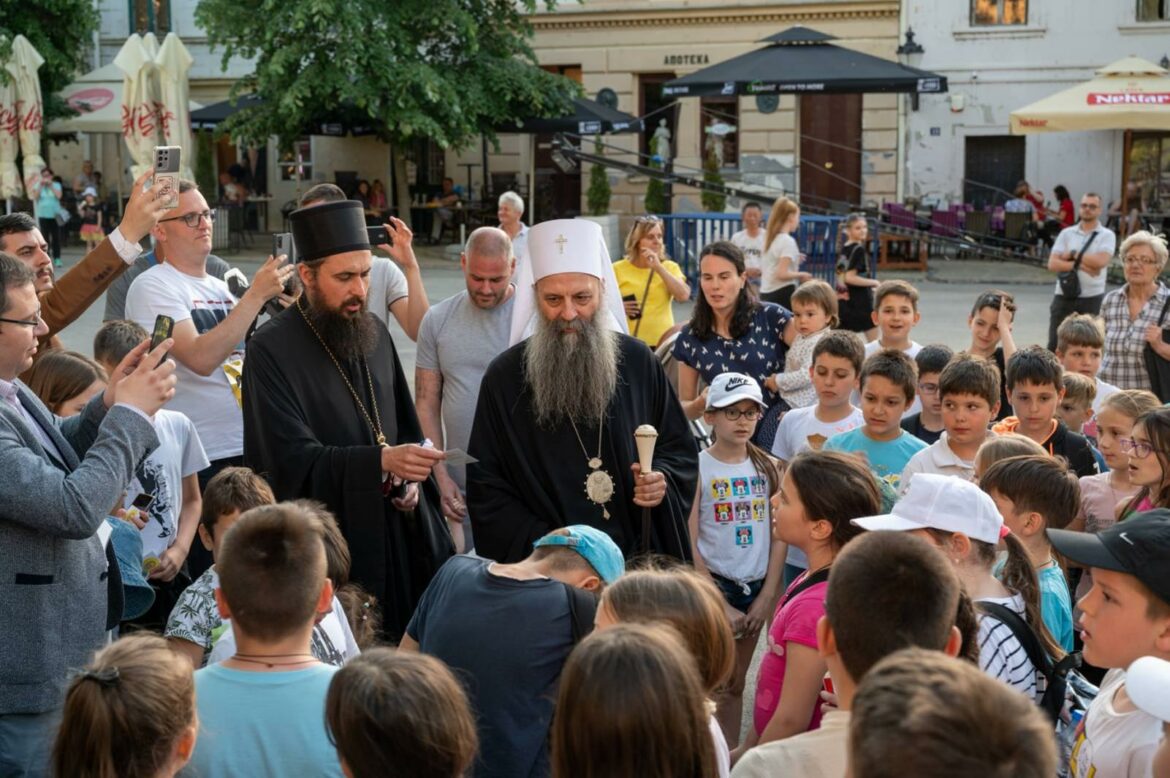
(649, 282)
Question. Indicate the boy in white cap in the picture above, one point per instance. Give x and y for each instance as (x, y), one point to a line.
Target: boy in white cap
(554, 427)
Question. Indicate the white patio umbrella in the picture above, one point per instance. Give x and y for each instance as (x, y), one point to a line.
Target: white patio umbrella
(1130, 94)
(174, 61)
(9, 142)
(23, 67)
(141, 100)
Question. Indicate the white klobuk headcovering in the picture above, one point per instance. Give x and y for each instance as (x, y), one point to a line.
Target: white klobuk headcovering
(565, 246)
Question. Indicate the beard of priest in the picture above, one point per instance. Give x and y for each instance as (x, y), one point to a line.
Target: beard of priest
(321, 384)
(557, 414)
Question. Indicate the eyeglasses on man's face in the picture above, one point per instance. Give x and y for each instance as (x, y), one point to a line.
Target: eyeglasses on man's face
(192, 219)
(34, 322)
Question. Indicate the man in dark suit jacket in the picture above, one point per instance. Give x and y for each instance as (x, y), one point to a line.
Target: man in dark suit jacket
(59, 479)
(66, 298)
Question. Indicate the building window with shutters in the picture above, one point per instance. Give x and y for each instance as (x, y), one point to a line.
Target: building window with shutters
(150, 16)
(994, 13)
(1153, 10)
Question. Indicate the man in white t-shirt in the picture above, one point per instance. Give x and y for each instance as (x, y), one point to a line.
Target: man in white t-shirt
(458, 339)
(392, 290)
(1091, 273)
(750, 239)
(210, 325)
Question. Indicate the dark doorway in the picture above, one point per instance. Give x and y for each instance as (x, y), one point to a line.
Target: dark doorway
(830, 151)
(993, 165)
(650, 101)
(558, 194)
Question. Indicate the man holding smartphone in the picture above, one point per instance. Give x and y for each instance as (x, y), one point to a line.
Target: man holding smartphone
(55, 568)
(66, 298)
(210, 325)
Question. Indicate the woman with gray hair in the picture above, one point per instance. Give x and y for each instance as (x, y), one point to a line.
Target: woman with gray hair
(508, 211)
(1133, 314)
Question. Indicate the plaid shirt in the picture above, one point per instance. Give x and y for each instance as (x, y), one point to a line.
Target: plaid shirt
(1123, 365)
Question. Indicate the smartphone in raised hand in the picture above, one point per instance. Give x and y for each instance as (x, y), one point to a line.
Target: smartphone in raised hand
(166, 174)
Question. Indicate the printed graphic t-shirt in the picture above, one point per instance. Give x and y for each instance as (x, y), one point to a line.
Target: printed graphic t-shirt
(734, 530)
(209, 401)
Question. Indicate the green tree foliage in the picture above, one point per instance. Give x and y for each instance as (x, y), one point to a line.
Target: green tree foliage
(62, 31)
(447, 70)
(713, 202)
(599, 192)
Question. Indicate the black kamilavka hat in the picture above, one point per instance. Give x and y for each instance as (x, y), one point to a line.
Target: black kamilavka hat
(323, 230)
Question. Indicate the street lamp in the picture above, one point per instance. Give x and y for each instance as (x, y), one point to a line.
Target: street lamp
(910, 53)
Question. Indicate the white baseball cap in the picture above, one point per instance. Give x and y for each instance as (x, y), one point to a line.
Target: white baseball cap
(1147, 682)
(942, 502)
(729, 388)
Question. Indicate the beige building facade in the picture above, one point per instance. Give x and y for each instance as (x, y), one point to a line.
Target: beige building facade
(632, 47)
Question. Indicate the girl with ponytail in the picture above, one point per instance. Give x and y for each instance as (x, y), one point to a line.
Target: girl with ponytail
(963, 523)
(129, 714)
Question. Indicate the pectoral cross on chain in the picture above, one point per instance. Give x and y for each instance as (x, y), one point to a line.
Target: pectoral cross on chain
(561, 241)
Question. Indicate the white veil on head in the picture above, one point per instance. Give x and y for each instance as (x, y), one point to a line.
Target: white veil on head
(565, 246)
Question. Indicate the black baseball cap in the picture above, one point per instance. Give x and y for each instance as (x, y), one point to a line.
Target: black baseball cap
(1138, 546)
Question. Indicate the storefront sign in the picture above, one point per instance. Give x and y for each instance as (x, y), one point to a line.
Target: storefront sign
(685, 59)
(1128, 98)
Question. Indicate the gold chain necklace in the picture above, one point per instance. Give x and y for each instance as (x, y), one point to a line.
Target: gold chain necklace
(375, 422)
(599, 485)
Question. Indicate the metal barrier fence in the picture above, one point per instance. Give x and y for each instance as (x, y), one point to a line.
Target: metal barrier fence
(685, 234)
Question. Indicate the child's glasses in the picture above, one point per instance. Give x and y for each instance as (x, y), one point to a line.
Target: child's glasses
(751, 414)
(1135, 447)
(928, 388)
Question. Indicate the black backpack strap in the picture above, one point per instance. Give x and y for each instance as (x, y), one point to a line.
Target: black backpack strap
(582, 609)
(1165, 305)
(1054, 675)
(820, 576)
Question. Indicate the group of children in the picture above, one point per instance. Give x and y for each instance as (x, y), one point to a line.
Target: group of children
(960, 496)
(1016, 501)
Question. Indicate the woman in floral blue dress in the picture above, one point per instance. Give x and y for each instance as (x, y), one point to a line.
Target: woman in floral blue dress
(732, 332)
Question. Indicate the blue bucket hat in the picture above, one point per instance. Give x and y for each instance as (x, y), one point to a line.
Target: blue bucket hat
(137, 594)
(597, 548)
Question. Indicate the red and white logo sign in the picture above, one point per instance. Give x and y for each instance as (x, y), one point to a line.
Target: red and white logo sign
(1128, 98)
(90, 100)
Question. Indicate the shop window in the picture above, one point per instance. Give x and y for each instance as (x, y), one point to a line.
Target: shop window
(150, 16)
(993, 13)
(297, 164)
(719, 128)
(1149, 172)
(1153, 10)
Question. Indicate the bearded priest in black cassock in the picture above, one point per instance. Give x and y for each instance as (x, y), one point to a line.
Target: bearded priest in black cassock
(554, 426)
(328, 415)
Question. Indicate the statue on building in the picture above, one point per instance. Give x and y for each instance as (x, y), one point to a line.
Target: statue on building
(660, 144)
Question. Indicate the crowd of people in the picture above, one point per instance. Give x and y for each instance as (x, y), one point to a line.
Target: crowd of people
(244, 547)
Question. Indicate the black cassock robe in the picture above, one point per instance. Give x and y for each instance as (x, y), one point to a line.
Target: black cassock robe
(530, 481)
(304, 432)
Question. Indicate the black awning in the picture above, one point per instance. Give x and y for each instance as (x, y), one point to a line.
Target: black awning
(211, 116)
(589, 117)
(344, 121)
(801, 60)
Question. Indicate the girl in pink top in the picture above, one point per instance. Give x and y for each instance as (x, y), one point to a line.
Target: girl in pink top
(821, 492)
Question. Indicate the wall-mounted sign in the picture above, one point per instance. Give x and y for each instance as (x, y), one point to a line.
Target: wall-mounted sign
(935, 132)
(685, 59)
(767, 103)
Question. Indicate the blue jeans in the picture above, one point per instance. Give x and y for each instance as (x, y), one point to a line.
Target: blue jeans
(26, 742)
